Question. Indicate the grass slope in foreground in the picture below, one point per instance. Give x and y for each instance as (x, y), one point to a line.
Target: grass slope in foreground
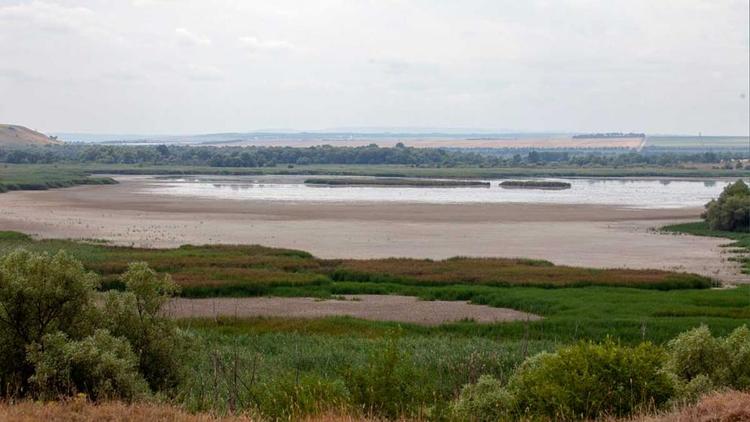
(26, 177)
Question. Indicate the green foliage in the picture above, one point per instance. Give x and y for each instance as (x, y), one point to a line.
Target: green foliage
(697, 358)
(589, 380)
(293, 396)
(485, 401)
(388, 384)
(731, 211)
(39, 295)
(54, 341)
(100, 366)
(135, 315)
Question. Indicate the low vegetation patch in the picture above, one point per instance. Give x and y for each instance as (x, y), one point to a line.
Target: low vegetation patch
(395, 181)
(251, 270)
(534, 184)
(14, 177)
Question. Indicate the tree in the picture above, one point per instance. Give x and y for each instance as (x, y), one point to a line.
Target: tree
(731, 211)
(39, 295)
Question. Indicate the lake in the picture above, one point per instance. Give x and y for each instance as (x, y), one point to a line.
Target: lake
(631, 193)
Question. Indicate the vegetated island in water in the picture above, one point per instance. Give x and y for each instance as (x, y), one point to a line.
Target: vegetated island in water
(534, 184)
(394, 181)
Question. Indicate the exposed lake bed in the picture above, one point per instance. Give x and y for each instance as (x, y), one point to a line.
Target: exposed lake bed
(157, 212)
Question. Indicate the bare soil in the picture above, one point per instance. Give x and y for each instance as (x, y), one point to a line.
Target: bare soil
(372, 307)
(580, 235)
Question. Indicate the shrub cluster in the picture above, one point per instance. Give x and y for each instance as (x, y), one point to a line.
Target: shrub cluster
(587, 380)
(731, 211)
(55, 341)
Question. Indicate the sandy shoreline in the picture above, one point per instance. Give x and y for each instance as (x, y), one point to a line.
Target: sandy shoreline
(583, 235)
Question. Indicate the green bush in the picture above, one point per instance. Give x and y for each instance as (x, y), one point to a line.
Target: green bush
(714, 362)
(737, 345)
(731, 211)
(290, 397)
(589, 380)
(388, 384)
(54, 341)
(135, 314)
(100, 366)
(485, 401)
(39, 295)
(697, 353)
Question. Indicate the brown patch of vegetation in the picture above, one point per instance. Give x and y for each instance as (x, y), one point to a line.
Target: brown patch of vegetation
(732, 406)
(500, 272)
(84, 411)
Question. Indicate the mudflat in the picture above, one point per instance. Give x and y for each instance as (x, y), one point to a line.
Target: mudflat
(373, 307)
(582, 235)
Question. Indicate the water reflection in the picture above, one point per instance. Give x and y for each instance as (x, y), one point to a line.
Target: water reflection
(634, 193)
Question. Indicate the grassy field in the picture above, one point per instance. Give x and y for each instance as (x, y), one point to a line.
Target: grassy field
(247, 270)
(39, 177)
(382, 171)
(576, 302)
(286, 368)
(707, 142)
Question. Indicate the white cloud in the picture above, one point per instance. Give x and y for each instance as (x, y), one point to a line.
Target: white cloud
(204, 73)
(46, 16)
(256, 44)
(676, 66)
(186, 37)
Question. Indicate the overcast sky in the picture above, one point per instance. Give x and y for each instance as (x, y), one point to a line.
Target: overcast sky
(198, 66)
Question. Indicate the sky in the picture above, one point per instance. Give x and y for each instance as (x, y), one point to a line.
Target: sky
(200, 66)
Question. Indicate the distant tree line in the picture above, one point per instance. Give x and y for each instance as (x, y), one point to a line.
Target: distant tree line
(609, 135)
(254, 156)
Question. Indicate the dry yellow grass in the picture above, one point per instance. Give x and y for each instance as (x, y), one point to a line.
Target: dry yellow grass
(730, 406)
(84, 411)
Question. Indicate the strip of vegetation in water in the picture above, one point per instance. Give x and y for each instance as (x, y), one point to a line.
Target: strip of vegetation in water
(14, 177)
(384, 170)
(394, 181)
(534, 184)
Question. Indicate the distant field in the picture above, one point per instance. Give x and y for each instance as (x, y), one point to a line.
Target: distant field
(552, 142)
(707, 142)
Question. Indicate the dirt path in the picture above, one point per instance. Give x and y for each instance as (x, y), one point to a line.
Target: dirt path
(580, 235)
(373, 307)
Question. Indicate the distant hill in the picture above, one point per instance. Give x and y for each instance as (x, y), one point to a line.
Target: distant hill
(13, 135)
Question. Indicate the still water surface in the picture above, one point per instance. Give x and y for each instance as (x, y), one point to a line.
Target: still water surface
(632, 193)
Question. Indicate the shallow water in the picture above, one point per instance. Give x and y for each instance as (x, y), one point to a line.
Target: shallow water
(631, 193)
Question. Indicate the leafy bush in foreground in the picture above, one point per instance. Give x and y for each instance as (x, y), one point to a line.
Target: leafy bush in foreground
(100, 366)
(485, 401)
(55, 342)
(588, 380)
(702, 362)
